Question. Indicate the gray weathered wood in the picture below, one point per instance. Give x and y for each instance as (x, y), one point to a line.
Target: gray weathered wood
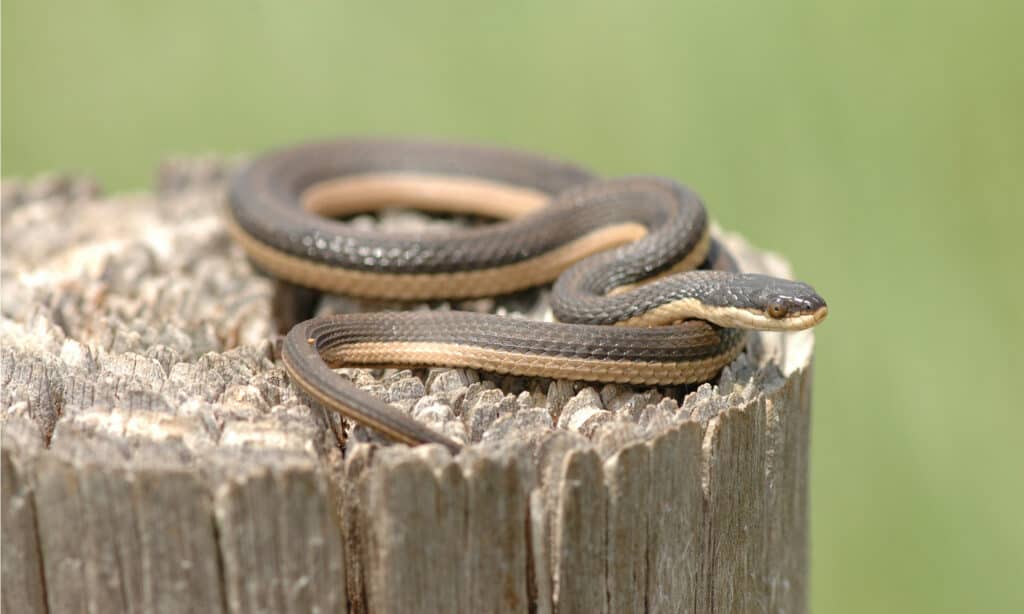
(155, 458)
(675, 519)
(24, 588)
(628, 475)
(497, 541)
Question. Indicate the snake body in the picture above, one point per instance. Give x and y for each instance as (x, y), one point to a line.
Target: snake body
(621, 252)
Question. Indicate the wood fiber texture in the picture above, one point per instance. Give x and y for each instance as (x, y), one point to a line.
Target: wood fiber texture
(155, 458)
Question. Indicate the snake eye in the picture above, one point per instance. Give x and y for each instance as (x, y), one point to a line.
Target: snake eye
(777, 309)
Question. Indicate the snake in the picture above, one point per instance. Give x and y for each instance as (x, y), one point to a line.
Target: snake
(640, 291)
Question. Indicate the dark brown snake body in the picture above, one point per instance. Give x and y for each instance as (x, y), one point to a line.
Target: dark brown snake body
(621, 253)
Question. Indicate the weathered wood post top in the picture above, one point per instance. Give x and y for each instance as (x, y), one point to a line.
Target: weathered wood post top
(156, 459)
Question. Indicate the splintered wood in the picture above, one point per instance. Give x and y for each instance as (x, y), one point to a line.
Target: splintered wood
(155, 458)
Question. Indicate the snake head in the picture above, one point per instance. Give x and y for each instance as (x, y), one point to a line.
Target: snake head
(758, 302)
(782, 304)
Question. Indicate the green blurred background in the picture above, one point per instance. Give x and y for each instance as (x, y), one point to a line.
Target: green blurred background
(877, 144)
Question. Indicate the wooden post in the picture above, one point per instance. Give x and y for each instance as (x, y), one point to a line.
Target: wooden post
(155, 458)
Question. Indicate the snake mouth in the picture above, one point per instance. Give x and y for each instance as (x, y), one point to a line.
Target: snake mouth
(820, 314)
(752, 319)
(802, 321)
(797, 322)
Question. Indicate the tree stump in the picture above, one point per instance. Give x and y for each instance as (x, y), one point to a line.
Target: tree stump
(155, 458)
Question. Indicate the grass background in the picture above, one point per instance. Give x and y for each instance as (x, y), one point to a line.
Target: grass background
(877, 144)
